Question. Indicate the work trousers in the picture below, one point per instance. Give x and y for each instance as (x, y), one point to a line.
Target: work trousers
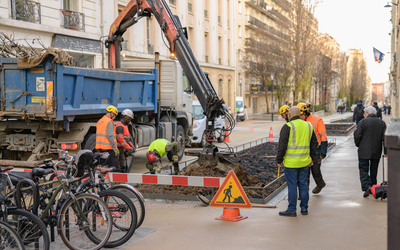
(368, 170)
(297, 177)
(315, 170)
(122, 159)
(112, 160)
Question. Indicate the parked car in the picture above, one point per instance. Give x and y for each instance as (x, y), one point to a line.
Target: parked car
(353, 107)
(240, 108)
(199, 125)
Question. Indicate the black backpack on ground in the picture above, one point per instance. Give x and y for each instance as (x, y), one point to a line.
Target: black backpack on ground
(360, 112)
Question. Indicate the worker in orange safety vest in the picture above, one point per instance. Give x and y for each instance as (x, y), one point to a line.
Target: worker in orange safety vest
(105, 137)
(320, 132)
(124, 139)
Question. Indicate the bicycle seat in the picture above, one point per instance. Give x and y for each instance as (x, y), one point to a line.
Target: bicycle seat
(40, 172)
(8, 168)
(103, 170)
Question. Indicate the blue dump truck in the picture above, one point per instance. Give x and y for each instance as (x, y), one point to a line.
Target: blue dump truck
(56, 106)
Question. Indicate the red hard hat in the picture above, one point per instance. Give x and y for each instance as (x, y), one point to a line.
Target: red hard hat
(151, 156)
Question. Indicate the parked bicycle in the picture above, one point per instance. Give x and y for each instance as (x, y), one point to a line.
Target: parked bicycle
(74, 214)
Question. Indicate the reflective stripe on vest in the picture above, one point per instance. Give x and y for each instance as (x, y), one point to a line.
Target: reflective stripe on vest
(159, 145)
(102, 141)
(298, 151)
(125, 136)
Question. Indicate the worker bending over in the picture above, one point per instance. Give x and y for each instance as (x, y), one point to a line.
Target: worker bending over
(157, 150)
(320, 132)
(105, 137)
(125, 143)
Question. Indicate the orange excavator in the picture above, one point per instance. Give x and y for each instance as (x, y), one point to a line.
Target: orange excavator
(179, 47)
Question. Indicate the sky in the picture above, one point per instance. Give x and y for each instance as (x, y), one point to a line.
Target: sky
(359, 24)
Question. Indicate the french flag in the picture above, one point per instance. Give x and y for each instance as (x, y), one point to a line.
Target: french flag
(378, 55)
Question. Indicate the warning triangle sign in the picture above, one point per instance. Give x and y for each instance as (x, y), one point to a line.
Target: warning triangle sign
(231, 194)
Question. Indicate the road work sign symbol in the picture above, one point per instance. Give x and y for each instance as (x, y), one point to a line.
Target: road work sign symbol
(231, 194)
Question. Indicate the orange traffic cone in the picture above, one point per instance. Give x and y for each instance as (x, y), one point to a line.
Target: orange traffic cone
(271, 135)
(231, 214)
(226, 139)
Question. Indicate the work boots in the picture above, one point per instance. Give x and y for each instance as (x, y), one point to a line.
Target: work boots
(318, 189)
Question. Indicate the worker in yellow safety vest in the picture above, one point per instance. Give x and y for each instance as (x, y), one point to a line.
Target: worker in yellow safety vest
(157, 150)
(320, 131)
(105, 137)
(296, 151)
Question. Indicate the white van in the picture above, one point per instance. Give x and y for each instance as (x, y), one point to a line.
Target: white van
(199, 125)
(240, 108)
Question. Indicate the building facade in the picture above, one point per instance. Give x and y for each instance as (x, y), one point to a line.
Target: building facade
(394, 66)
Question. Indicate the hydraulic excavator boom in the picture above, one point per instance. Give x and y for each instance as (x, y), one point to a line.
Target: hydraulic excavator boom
(179, 46)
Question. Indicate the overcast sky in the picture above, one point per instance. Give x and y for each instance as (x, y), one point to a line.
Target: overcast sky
(359, 24)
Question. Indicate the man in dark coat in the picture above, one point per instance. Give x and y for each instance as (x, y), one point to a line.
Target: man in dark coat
(378, 110)
(358, 114)
(369, 137)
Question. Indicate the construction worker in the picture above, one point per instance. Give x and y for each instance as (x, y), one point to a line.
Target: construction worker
(105, 137)
(124, 139)
(284, 111)
(157, 150)
(320, 132)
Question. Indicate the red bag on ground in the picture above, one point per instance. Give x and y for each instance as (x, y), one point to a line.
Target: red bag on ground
(380, 191)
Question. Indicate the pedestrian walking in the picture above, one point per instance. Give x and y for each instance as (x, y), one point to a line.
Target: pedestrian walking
(296, 151)
(384, 109)
(124, 139)
(369, 137)
(378, 110)
(105, 137)
(358, 113)
(389, 108)
(320, 132)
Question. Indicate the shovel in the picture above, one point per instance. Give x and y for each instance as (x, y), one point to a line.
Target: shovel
(206, 202)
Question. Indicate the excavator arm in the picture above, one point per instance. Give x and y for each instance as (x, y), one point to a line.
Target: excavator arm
(178, 44)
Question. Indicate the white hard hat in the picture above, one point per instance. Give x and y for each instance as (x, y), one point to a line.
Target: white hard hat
(127, 112)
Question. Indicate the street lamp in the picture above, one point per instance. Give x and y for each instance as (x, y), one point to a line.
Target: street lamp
(388, 5)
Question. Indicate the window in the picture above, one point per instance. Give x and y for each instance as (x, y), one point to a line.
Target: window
(240, 30)
(229, 93)
(220, 87)
(186, 84)
(83, 60)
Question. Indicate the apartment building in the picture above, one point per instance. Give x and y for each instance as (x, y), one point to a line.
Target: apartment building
(394, 65)
(258, 22)
(72, 25)
(210, 29)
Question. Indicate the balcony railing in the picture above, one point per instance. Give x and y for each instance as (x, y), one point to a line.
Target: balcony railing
(73, 20)
(190, 7)
(254, 88)
(254, 21)
(284, 4)
(25, 10)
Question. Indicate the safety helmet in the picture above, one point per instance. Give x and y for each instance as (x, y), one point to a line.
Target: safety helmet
(303, 108)
(112, 109)
(283, 109)
(128, 113)
(151, 157)
(308, 105)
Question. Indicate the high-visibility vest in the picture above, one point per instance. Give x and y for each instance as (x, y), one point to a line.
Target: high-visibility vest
(159, 145)
(319, 127)
(102, 141)
(123, 140)
(298, 150)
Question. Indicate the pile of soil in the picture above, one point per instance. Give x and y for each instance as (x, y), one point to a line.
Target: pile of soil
(251, 167)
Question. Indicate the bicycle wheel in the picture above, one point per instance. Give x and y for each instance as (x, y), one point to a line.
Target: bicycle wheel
(94, 222)
(9, 239)
(30, 228)
(136, 199)
(124, 217)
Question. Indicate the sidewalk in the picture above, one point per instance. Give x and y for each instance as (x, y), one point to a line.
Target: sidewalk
(339, 218)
